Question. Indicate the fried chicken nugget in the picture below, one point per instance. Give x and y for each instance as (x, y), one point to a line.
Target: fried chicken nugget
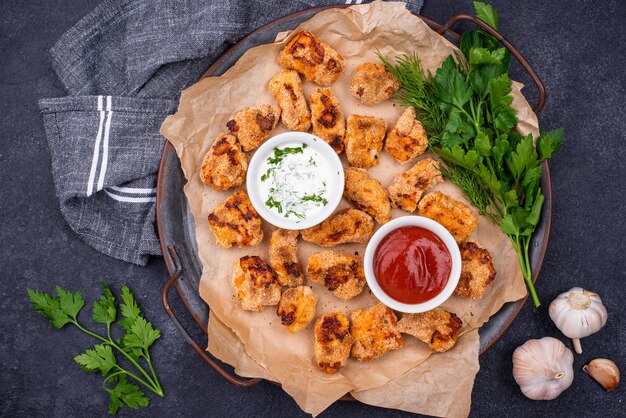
(407, 139)
(367, 194)
(455, 216)
(477, 271)
(332, 341)
(347, 225)
(327, 118)
(375, 332)
(408, 187)
(253, 125)
(437, 328)
(256, 284)
(311, 57)
(297, 308)
(364, 140)
(284, 257)
(225, 164)
(235, 221)
(371, 83)
(286, 87)
(341, 274)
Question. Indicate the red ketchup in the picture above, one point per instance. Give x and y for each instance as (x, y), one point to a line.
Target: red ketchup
(412, 264)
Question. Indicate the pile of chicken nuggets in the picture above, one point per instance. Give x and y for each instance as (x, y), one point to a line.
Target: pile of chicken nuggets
(368, 333)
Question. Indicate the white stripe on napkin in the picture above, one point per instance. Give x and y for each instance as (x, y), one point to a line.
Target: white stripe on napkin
(96, 150)
(134, 190)
(130, 199)
(105, 145)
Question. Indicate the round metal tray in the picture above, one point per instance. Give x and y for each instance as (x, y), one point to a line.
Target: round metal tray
(177, 228)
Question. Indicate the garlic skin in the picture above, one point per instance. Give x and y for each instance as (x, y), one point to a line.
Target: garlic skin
(578, 313)
(543, 368)
(603, 371)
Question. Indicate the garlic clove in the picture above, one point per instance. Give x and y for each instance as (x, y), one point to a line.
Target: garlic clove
(603, 371)
(543, 368)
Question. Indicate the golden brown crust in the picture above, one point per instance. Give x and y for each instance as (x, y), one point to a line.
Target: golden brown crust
(364, 140)
(225, 164)
(286, 87)
(253, 125)
(327, 118)
(407, 139)
(455, 216)
(284, 257)
(332, 341)
(367, 194)
(341, 274)
(297, 308)
(347, 225)
(235, 221)
(255, 283)
(375, 332)
(371, 83)
(408, 187)
(477, 271)
(437, 328)
(311, 57)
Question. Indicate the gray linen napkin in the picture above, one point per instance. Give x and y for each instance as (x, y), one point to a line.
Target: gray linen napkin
(124, 66)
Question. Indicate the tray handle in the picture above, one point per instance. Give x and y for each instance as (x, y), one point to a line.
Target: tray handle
(177, 274)
(463, 17)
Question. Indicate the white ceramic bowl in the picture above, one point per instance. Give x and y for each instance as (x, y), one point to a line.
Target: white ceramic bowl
(441, 232)
(335, 191)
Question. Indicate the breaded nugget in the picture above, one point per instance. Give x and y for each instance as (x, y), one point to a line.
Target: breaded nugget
(255, 283)
(347, 225)
(408, 187)
(371, 83)
(235, 221)
(364, 140)
(341, 274)
(455, 216)
(367, 194)
(253, 125)
(477, 271)
(437, 328)
(332, 341)
(297, 308)
(375, 332)
(286, 87)
(284, 257)
(407, 139)
(225, 164)
(327, 118)
(314, 59)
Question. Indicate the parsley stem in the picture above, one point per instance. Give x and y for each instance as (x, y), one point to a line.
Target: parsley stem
(129, 358)
(156, 380)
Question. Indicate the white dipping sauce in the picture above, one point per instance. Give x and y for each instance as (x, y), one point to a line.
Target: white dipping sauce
(294, 181)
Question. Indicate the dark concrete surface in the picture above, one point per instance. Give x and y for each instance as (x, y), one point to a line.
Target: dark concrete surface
(577, 47)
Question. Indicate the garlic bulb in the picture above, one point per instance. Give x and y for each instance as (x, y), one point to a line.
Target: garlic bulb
(543, 368)
(578, 314)
(604, 372)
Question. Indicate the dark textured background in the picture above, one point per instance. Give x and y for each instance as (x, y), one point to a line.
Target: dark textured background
(577, 47)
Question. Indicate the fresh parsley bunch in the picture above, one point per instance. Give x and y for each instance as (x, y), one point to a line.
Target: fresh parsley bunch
(466, 111)
(138, 336)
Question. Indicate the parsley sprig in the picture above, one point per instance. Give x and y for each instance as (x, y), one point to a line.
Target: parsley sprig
(466, 110)
(133, 346)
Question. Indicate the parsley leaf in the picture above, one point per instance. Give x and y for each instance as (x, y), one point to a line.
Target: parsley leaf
(104, 309)
(486, 13)
(127, 393)
(129, 308)
(70, 303)
(142, 335)
(549, 143)
(484, 56)
(99, 359)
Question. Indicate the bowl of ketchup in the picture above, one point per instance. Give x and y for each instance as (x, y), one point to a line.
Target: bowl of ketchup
(412, 264)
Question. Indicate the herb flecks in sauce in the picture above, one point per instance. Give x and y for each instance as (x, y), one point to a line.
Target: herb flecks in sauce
(294, 181)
